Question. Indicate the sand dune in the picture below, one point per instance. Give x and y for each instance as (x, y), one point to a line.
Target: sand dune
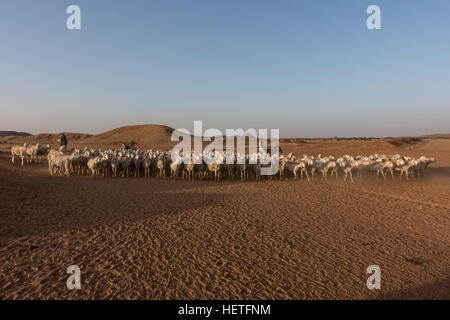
(14, 134)
(146, 136)
(438, 135)
(45, 138)
(143, 135)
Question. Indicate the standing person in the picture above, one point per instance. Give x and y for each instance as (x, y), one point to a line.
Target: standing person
(62, 140)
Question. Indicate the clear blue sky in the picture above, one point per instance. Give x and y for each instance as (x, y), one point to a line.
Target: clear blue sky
(310, 68)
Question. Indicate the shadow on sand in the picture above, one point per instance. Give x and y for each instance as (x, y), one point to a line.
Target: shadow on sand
(439, 290)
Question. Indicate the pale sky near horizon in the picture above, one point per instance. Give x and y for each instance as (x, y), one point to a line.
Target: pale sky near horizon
(308, 67)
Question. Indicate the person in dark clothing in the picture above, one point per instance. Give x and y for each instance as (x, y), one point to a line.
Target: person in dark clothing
(62, 140)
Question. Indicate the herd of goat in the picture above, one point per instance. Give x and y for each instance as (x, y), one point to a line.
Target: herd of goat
(135, 163)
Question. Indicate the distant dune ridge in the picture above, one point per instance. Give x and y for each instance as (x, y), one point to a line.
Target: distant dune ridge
(45, 138)
(146, 136)
(153, 136)
(142, 134)
(437, 135)
(14, 134)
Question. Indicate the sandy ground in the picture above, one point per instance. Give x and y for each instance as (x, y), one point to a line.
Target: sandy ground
(167, 239)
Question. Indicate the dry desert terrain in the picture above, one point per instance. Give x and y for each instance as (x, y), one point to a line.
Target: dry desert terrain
(176, 239)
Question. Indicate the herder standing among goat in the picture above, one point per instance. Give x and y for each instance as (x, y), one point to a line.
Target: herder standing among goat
(62, 140)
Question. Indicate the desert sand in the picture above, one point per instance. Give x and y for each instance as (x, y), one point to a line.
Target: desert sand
(175, 239)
